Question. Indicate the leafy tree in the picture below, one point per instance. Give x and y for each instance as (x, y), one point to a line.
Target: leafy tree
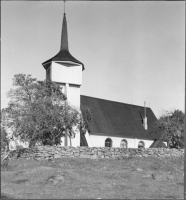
(86, 118)
(4, 146)
(4, 139)
(171, 126)
(37, 111)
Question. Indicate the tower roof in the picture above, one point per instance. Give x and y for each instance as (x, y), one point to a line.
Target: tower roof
(64, 54)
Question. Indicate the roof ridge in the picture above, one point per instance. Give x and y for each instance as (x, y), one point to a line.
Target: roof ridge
(115, 101)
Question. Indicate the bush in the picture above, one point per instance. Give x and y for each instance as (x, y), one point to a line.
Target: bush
(171, 126)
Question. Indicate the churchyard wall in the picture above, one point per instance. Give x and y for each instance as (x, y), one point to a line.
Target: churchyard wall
(50, 152)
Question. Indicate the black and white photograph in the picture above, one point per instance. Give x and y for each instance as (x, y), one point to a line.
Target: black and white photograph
(92, 99)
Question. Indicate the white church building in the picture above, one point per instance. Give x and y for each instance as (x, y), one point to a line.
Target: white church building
(113, 124)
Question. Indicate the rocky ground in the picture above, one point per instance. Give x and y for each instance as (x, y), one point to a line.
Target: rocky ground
(82, 178)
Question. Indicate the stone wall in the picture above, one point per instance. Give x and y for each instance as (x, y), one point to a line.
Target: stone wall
(49, 152)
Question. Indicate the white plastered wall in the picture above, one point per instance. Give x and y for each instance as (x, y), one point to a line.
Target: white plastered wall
(73, 96)
(89, 142)
(74, 142)
(99, 141)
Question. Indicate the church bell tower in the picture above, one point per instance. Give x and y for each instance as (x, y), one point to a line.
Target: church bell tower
(66, 71)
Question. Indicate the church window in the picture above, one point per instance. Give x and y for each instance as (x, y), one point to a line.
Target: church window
(108, 142)
(123, 144)
(141, 144)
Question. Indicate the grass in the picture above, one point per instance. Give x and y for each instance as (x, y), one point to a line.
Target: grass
(70, 178)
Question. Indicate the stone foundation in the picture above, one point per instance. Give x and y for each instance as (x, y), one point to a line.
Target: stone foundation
(49, 152)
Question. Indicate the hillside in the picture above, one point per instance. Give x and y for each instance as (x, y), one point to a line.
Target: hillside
(81, 178)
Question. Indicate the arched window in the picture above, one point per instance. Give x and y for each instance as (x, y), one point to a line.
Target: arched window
(123, 144)
(141, 144)
(108, 142)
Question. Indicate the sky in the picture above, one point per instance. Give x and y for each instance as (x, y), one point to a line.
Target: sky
(133, 52)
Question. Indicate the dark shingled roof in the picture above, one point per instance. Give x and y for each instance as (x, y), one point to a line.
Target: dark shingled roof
(64, 54)
(112, 118)
(157, 144)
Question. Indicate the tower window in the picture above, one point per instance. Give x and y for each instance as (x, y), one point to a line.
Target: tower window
(108, 142)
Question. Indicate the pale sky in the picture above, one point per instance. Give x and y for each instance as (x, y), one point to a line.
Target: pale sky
(132, 51)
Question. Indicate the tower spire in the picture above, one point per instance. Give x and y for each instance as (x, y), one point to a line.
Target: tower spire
(64, 36)
(64, 6)
(63, 54)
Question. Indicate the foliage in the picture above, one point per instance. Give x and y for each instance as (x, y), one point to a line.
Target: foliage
(86, 118)
(171, 126)
(37, 111)
(4, 147)
(4, 139)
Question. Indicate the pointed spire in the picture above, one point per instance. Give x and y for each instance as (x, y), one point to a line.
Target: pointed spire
(63, 54)
(64, 36)
(64, 6)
